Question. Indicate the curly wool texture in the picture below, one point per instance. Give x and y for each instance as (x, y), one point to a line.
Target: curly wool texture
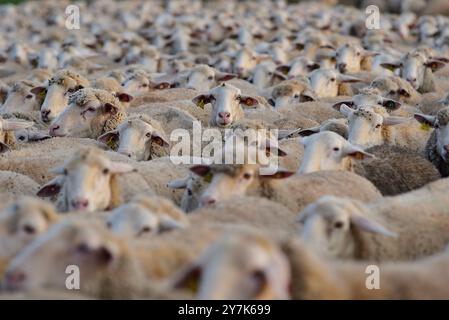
(68, 79)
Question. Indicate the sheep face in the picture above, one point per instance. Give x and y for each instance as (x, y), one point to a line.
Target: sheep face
(265, 75)
(239, 266)
(203, 78)
(57, 97)
(79, 120)
(326, 82)
(327, 226)
(366, 125)
(10, 125)
(301, 67)
(413, 69)
(134, 220)
(440, 123)
(349, 58)
(227, 102)
(328, 151)
(22, 97)
(86, 182)
(135, 138)
(23, 221)
(245, 60)
(42, 264)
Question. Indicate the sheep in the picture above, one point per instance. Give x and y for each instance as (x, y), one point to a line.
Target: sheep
(228, 180)
(339, 126)
(226, 103)
(203, 78)
(22, 97)
(317, 278)
(242, 264)
(146, 216)
(135, 137)
(299, 66)
(90, 113)
(436, 149)
(393, 170)
(57, 89)
(352, 58)
(371, 126)
(287, 92)
(329, 83)
(103, 257)
(88, 181)
(8, 127)
(396, 88)
(13, 185)
(111, 85)
(22, 221)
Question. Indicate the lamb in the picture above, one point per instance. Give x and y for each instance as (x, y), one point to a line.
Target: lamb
(136, 136)
(22, 221)
(393, 170)
(437, 147)
(371, 126)
(90, 113)
(103, 257)
(59, 86)
(88, 181)
(228, 180)
(22, 98)
(317, 278)
(226, 103)
(396, 88)
(146, 216)
(330, 83)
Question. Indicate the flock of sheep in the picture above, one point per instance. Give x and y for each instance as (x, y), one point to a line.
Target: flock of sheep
(88, 178)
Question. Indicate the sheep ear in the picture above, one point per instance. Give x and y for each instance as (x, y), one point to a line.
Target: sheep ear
(287, 133)
(391, 65)
(222, 76)
(279, 75)
(110, 109)
(160, 139)
(348, 79)
(391, 104)
(201, 170)
(124, 97)
(346, 111)
(391, 121)
(356, 153)
(279, 174)
(425, 119)
(309, 131)
(178, 183)
(284, 69)
(37, 91)
(435, 64)
(338, 105)
(109, 138)
(167, 223)
(37, 136)
(51, 188)
(121, 167)
(313, 66)
(248, 101)
(274, 149)
(202, 100)
(4, 147)
(368, 225)
(307, 96)
(188, 278)
(12, 125)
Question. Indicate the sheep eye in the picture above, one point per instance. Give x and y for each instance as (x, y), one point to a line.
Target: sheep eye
(378, 126)
(148, 134)
(296, 96)
(105, 171)
(336, 149)
(21, 138)
(29, 96)
(392, 92)
(145, 229)
(247, 176)
(210, 78)
(144, 85)
(358, 53)
(332, 79)
(338, 225)
(189, 192)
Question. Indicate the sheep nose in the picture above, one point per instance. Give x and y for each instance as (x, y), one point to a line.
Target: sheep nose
(53, 129)
(411, 80)
(80, 204)
(14, 279)
(206, 201)
(45, 114)
(224, 115)
(342, 67)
